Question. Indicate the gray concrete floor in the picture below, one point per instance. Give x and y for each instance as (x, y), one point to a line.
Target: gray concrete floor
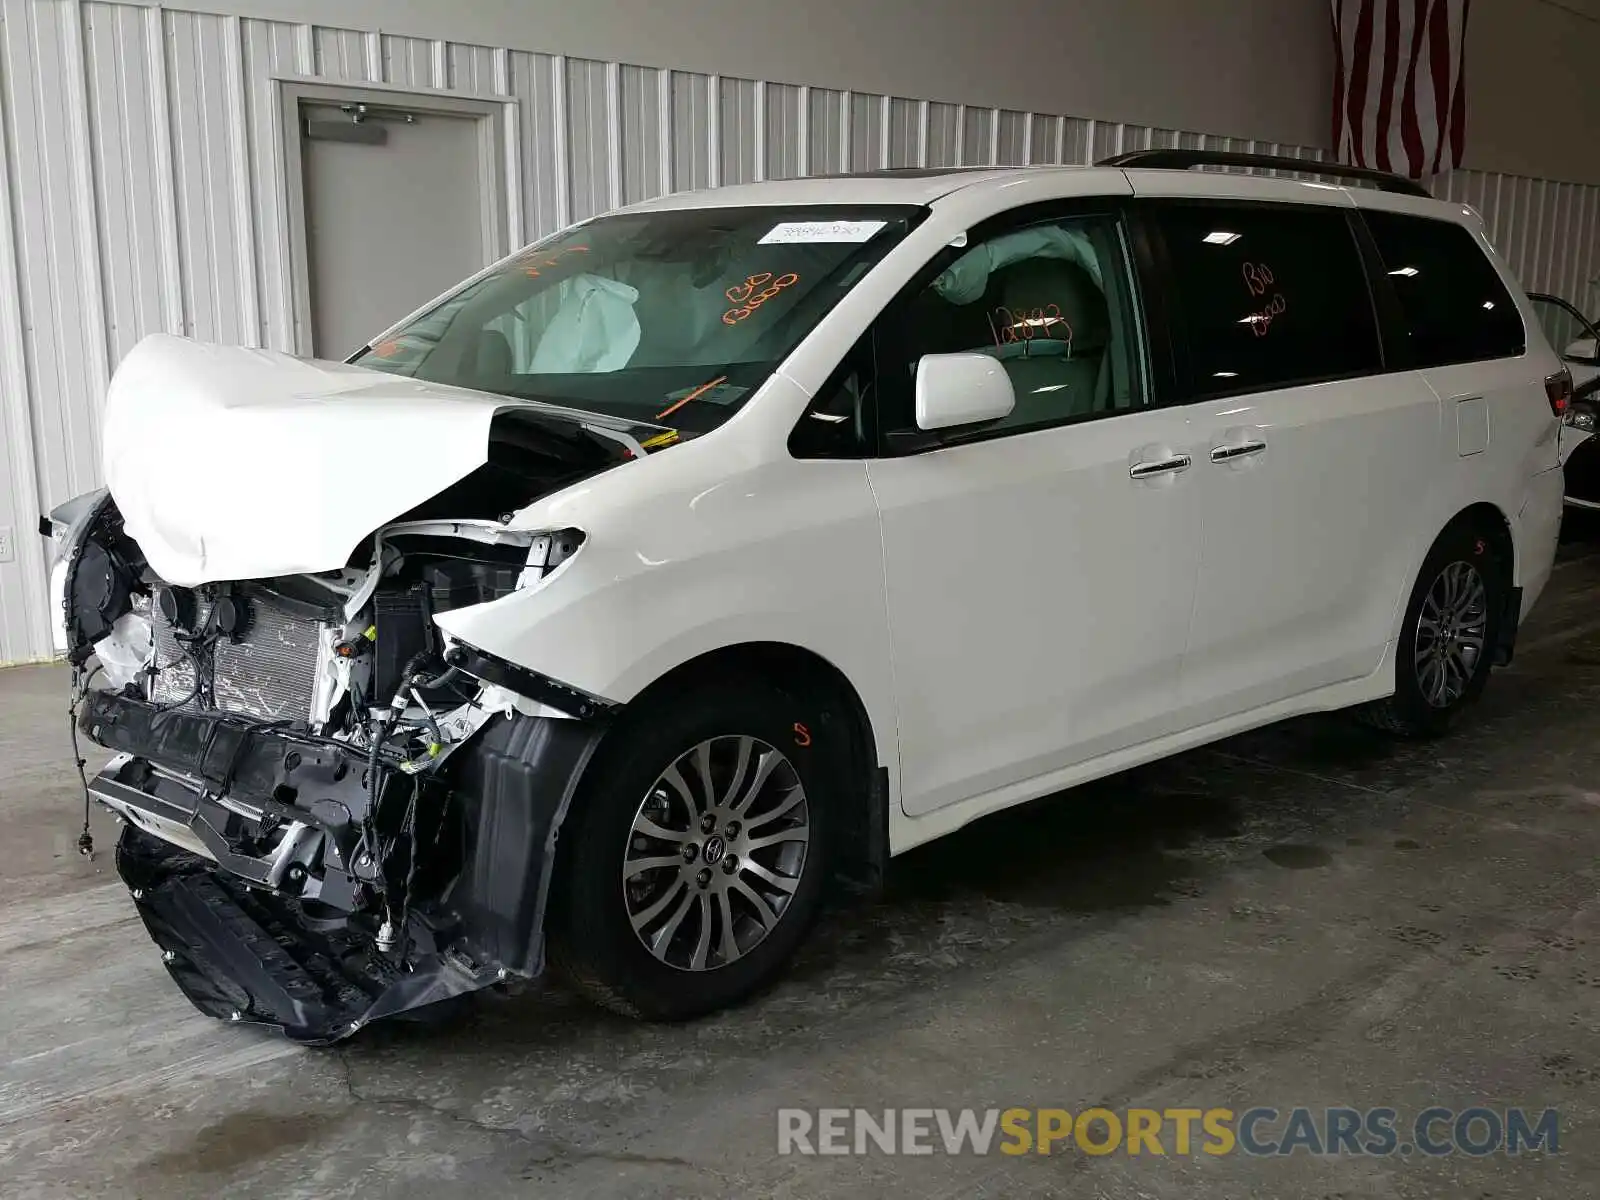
(1310, 914)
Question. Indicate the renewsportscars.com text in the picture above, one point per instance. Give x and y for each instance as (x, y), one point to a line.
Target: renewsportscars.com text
(1260, 1131)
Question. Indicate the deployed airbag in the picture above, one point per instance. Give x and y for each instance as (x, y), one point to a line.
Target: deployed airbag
(594, 331)
(967, 278)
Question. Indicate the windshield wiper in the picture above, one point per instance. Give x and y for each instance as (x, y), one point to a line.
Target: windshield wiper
(693, 395)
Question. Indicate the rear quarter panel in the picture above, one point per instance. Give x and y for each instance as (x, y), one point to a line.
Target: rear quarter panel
(1499, 440)
(1518, 447)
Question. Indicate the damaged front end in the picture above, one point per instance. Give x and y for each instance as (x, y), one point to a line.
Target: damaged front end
(390, 891)
(326, 821)
(332, 813)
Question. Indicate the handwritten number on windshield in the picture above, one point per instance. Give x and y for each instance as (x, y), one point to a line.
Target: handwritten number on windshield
(753, 293)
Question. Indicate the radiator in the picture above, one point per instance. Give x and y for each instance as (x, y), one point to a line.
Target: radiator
(270, 672)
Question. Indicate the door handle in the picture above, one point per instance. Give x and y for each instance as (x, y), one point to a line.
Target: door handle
(1222, 454)
(1160, 466)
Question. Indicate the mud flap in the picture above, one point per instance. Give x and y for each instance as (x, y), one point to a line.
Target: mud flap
(1505, 644)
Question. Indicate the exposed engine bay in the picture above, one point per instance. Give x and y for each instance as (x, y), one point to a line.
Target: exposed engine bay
(332, 812)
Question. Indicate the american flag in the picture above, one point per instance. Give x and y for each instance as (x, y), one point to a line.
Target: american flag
(1399, 91)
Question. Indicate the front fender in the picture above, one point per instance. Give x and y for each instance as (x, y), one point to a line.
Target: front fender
(786, 552)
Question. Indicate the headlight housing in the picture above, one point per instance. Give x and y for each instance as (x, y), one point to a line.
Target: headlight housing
(67, 522)
(65, 527)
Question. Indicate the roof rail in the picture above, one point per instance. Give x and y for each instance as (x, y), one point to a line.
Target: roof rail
(1183, 160)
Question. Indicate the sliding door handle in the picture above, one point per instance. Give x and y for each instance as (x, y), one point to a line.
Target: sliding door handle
(1222, 454)
(1160, 466)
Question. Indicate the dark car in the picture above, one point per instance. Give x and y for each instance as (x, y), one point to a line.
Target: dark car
(1576, 339)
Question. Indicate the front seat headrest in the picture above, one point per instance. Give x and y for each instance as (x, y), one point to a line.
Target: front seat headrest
(494, 358)
(1056, 302)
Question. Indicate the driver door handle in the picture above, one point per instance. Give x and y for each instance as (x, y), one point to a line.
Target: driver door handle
(1160, 466)
(1222, 454)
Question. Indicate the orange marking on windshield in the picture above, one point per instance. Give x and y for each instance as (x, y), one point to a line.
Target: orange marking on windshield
(552, 260)
(694, 395)
(746, 299)
(386, 349)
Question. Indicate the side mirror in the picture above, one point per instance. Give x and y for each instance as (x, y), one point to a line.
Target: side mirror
(962, 389)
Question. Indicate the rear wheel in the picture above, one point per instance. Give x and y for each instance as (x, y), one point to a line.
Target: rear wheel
(1451, 626)
(692, 861)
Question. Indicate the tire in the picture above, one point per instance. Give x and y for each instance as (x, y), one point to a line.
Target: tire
(747, 731)
(1433, 688)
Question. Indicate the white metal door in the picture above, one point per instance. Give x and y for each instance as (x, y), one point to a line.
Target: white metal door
(1314, 457)
(394, 215)
(1038, 598)
(1311, 499)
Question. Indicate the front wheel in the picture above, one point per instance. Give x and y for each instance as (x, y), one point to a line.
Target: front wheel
(692, 862)
(1451, 627)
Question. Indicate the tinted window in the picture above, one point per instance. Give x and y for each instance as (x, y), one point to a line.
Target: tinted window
(1454, 305)
(1051, 301)
(1267, 296)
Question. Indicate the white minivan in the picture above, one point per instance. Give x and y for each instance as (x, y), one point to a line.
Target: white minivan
(710, 552)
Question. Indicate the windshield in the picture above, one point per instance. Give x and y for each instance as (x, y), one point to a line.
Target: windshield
(672, 318)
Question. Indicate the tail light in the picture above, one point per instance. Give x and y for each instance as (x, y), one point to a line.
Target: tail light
(1558, 388)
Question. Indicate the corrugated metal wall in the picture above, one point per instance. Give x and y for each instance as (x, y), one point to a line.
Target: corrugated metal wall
(143, 184)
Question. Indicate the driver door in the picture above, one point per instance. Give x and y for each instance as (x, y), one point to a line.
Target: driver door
(1040, 568)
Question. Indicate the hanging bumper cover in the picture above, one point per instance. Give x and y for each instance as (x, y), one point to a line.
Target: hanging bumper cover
(264, 860)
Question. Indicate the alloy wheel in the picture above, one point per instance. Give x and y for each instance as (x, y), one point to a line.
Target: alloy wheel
(1451, 630)
(715, 853)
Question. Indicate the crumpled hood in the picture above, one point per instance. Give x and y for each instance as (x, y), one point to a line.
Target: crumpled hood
(231, 463)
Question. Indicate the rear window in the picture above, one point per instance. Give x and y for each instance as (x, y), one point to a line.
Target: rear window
(1267, 296)
(1455, 308)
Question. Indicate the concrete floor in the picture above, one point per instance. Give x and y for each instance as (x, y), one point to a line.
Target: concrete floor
(1311, 914)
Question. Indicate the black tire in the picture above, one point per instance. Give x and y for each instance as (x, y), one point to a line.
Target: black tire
(1410, 712)
(593, 944)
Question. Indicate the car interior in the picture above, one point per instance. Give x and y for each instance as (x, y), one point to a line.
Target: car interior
(1048, 309)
